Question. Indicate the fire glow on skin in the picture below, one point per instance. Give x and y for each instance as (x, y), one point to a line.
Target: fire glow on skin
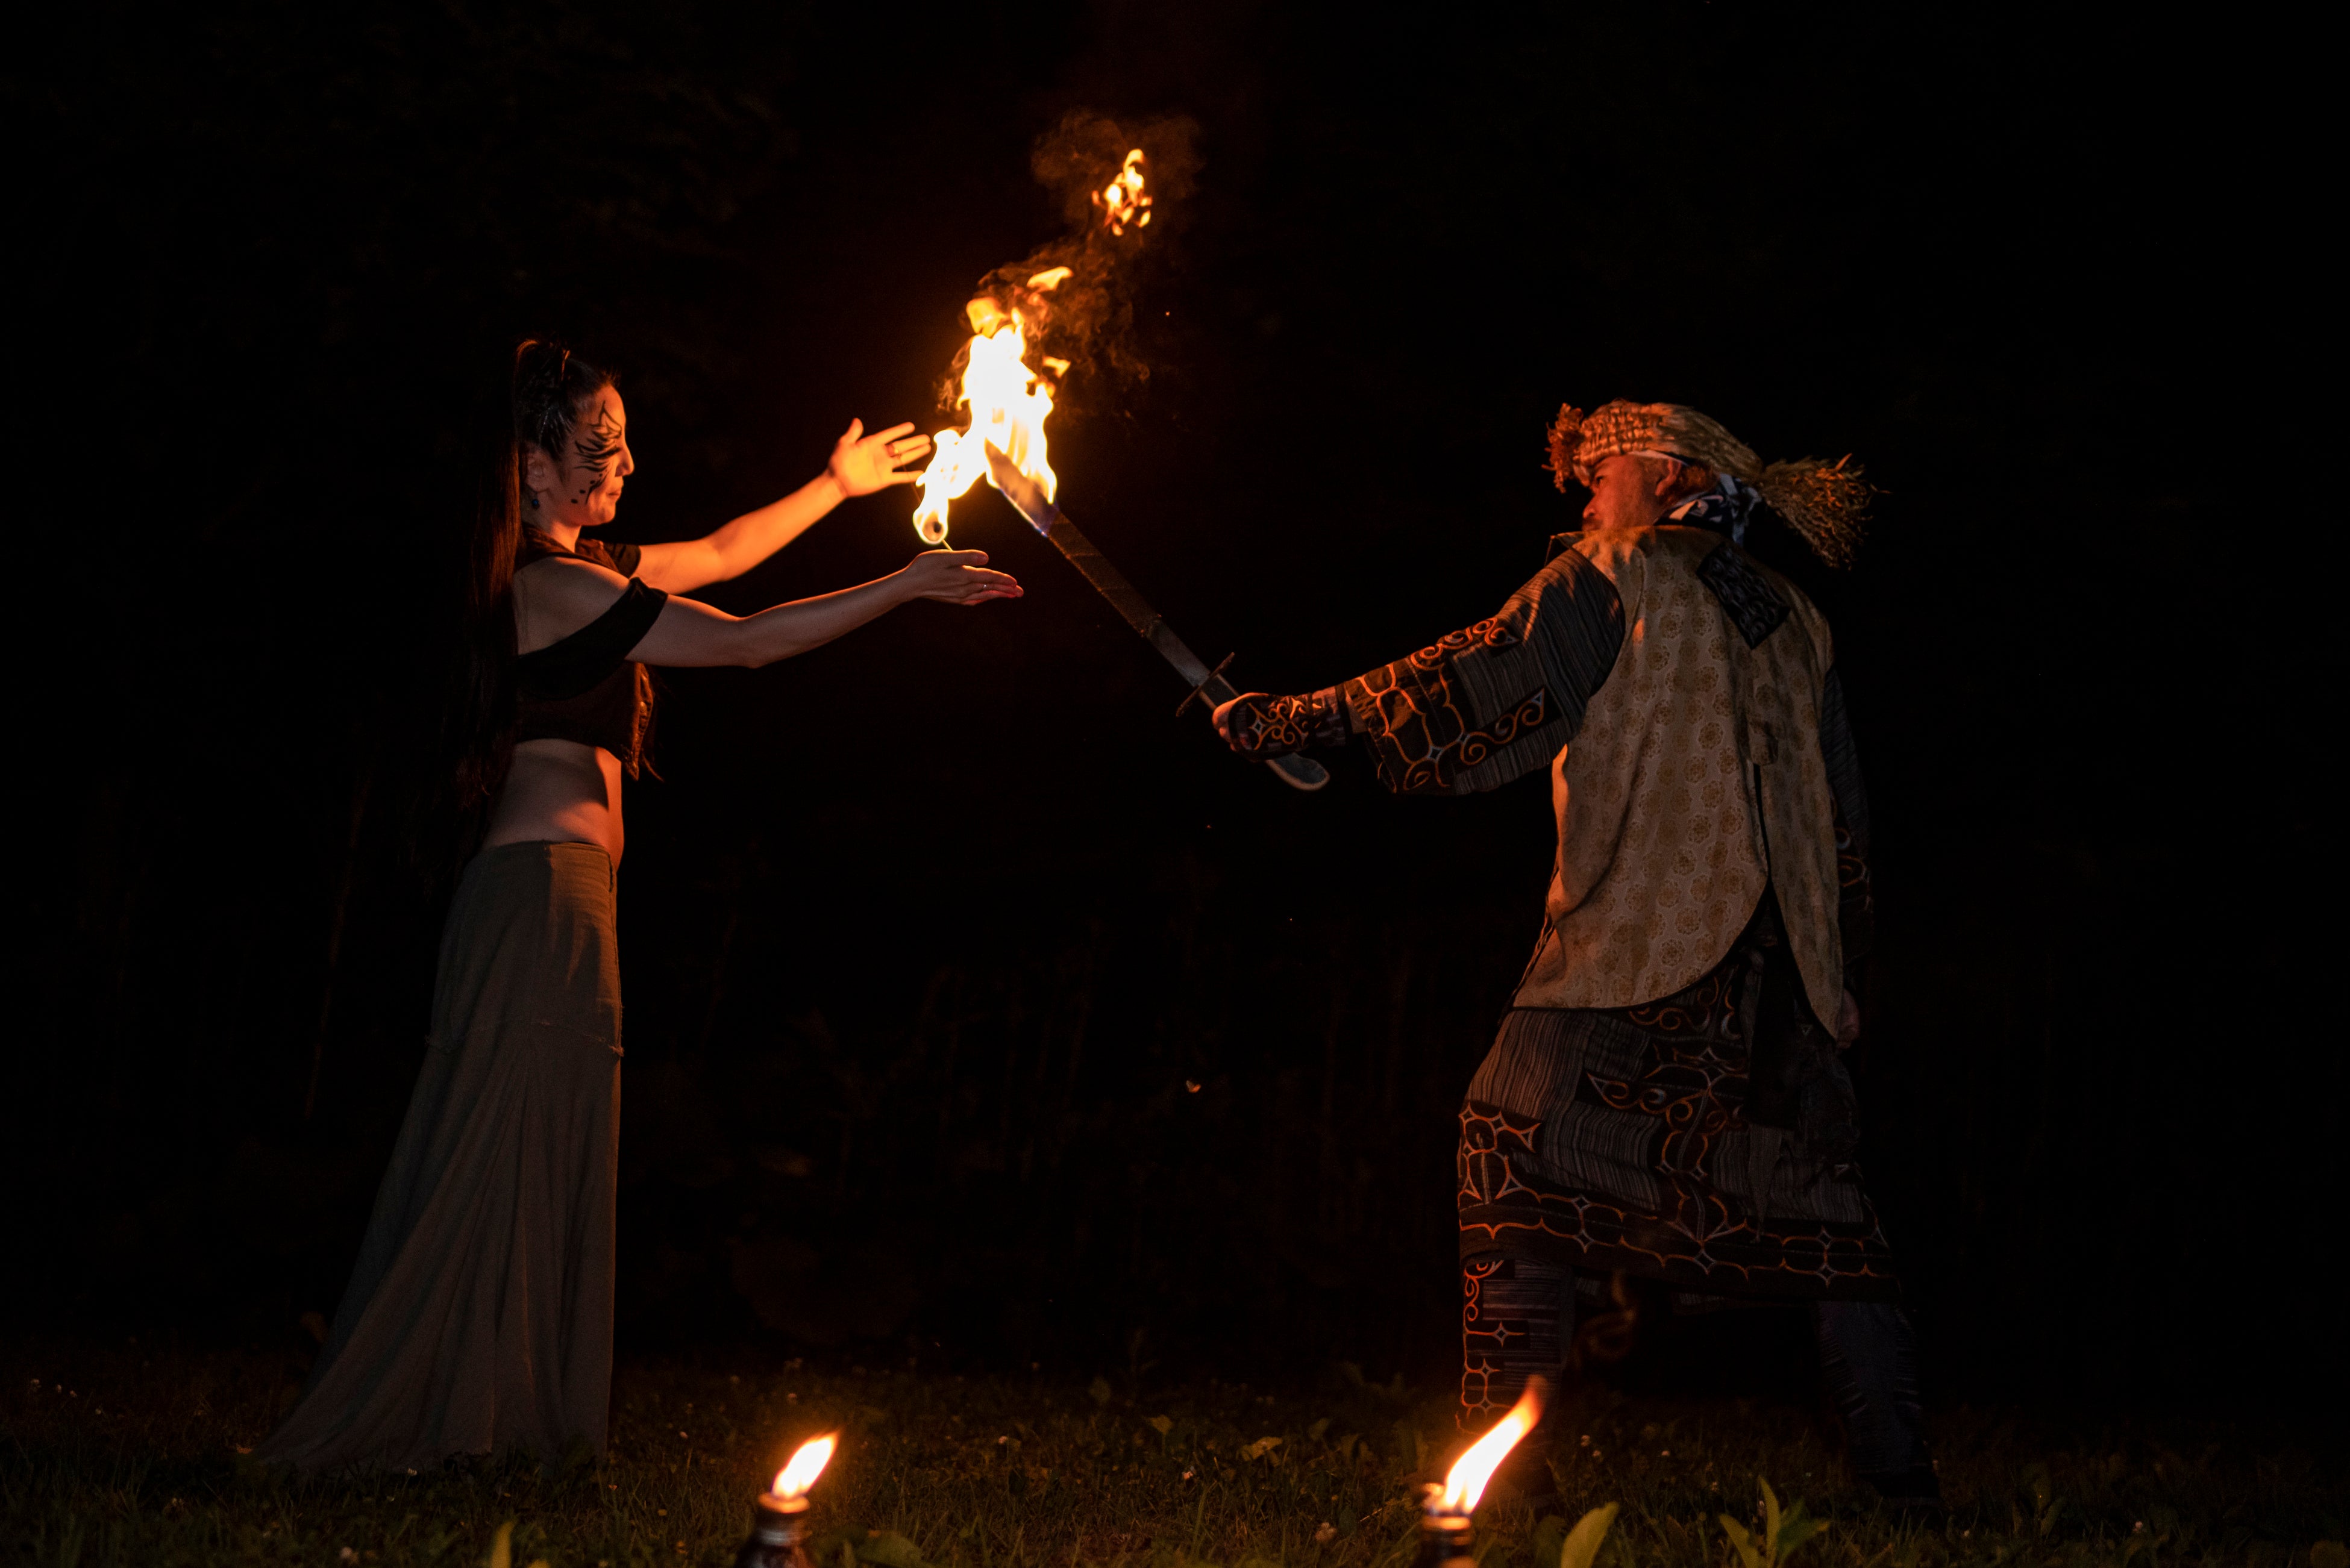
(1445, 1528)
(776, 1532)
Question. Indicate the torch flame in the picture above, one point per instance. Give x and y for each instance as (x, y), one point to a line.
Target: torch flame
(1124, 201)
(800, 1471)
(1465, 1483)
(1008, 403)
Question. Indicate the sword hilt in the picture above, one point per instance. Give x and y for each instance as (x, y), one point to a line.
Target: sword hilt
(1208, 685)
(1200, 690)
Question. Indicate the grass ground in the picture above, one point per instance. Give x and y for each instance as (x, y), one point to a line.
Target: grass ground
(124, 1454)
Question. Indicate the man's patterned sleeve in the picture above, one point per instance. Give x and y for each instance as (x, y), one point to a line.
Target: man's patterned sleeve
(1265, 726)
(1856, 900)
(1490, 703)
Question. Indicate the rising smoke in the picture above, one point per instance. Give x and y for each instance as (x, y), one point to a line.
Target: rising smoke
(1087, 319)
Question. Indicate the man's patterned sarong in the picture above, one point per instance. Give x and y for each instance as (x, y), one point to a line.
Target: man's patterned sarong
(1648, 1139)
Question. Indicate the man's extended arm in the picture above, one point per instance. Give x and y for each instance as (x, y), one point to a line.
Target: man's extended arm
(1472, 710)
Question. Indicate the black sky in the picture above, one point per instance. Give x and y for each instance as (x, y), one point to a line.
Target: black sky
(924, 932)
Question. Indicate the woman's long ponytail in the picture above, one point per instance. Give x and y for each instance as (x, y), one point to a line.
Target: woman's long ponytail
(545, 389)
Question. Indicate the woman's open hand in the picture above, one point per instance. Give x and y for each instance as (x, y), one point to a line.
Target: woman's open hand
(863, 464)
(957, 578)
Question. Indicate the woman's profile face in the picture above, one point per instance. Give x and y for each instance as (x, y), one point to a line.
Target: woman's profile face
(581, 487)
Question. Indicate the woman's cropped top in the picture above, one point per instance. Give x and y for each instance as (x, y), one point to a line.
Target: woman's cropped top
(585, 687)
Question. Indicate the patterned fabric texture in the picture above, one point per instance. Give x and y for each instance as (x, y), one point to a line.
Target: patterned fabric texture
(1824, 503)
(1492, 703)
(1263, 726)
(1705, 1139)
(1856, 900)
(1727, 508)
(1754, 608)
(1696, 778)
(1579, 442)
(1675, 688)
(1515, 1314)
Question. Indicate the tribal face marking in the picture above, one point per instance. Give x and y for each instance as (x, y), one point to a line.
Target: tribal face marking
(597, 447)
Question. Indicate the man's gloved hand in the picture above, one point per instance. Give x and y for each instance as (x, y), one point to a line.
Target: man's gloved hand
(1251, 725)
(1257, 724)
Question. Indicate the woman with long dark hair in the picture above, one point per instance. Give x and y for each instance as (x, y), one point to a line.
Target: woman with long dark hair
(479, 1315)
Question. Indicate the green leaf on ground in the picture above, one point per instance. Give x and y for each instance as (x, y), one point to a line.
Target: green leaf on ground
(1783, 1529)
(1556, 1547)
(1793, 1531)
(1581, 1548)
(502, 1549)
(890, 1550)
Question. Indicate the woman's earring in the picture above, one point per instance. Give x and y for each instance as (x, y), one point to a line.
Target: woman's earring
(534, 501)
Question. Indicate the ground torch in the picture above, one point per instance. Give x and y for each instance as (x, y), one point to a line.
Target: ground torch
(1445, 1531)
(775, 1532)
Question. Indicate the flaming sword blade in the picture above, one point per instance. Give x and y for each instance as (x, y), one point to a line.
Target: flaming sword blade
(1297, 772)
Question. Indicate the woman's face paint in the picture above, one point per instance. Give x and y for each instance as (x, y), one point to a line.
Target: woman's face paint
(586, 492)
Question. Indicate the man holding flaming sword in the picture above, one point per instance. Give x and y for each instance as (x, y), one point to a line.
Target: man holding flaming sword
(1666, 1100)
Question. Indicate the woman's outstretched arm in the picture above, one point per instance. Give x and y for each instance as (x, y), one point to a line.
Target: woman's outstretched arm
(559, 596)
(860, 464)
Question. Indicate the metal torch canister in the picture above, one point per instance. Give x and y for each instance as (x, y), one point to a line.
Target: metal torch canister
(1444, 1535)
(775, 1534)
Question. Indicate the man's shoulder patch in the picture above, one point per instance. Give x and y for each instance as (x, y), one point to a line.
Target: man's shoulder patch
(1753, 605)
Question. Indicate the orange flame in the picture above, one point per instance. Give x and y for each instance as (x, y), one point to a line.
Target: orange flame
(1465, 1483)
(1124, 201)
(1008, 403)
(799, 1472)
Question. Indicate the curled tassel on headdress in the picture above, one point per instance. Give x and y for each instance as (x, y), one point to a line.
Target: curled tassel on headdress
(1565, 432)
(1827, 503)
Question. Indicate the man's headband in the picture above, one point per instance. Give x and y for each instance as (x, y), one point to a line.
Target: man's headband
(1827, 504)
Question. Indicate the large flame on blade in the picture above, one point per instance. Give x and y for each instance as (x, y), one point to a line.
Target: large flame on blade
(1465, 1483)
(1009, 403)
(800, 1471)
(1124, 201)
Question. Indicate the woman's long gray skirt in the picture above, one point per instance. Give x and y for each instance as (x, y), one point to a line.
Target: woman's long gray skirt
(479, 1315)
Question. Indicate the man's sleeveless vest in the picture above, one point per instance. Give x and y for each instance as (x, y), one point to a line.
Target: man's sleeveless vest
(1695, 782)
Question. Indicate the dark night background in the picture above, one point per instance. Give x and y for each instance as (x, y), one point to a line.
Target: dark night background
(924, 932)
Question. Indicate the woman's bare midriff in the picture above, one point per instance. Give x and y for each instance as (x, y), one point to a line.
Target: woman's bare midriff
(559, 790)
